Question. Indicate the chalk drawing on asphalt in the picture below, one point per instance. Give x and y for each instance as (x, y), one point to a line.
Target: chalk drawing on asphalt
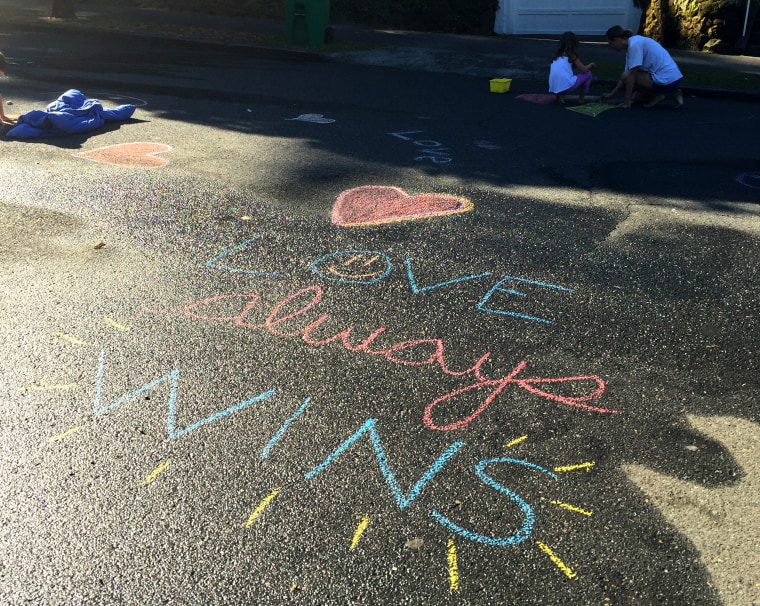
(134, 155)
(313, 118)
(353, 266)
(379, 204)
(749, 180)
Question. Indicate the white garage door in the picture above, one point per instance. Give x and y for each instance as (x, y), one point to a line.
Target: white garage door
(585, 17)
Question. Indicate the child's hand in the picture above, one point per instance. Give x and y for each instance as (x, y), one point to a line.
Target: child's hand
(592, 66)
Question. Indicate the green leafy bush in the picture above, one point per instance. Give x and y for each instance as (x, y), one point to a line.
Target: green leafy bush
(456, 16)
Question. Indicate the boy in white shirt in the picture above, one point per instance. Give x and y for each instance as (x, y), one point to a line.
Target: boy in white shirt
(649, 69)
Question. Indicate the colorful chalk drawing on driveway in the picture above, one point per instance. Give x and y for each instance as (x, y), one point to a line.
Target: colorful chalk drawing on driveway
(315, 118)
(378, 204)
(593, 109)
(749, 180)
(539, 98)
(136, 155)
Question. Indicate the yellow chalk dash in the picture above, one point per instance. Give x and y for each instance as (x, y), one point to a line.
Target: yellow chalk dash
(453, 567)
(572, 467)
(359, 530)
(74, 340)
(572, 508)
(155, 472)
(517, 441)
(262, 505)
(116, 325)
(65, 434)
(44, 387)
(560, 564)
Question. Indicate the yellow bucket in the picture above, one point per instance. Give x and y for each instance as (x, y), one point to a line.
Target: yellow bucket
(500, 85)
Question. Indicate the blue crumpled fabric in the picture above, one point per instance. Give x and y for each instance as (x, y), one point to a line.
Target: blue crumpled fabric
(71, 113)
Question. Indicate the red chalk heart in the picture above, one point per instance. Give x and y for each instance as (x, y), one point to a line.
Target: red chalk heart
(375, 204)
(138, 155)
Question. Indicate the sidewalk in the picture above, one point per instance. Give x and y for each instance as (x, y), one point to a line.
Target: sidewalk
(516, 57)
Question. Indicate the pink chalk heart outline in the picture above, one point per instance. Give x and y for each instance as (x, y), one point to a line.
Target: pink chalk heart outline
(135, 155)
(379, 204)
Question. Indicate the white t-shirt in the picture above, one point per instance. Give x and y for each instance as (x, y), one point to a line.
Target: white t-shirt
(561, 75)
(651, 57)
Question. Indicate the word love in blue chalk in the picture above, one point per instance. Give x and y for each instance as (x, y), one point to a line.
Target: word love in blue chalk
(369, 267)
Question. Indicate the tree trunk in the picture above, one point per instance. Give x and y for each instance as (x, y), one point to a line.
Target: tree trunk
(63, 9)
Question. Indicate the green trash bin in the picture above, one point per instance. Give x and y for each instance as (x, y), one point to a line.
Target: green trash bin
(306, 21)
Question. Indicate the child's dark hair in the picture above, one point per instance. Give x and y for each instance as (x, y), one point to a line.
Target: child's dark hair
(617, 31)
(2, 62)
(568, 46)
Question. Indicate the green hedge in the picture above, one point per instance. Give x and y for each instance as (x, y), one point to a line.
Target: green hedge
(456, 16)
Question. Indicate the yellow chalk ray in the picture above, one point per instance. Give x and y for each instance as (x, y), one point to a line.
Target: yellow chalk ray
(155, 472)
(47, 387)
(559, 563)
(453, 566)
(517, 441)
(65, 434)
(116, 325)
(262, 506)
(572, 508)
(74, 340)
(359, 530)
(573, 467)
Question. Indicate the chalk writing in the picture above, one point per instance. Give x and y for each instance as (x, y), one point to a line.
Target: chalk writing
(283, 429)
(416, 289)
(401, 499)
(498, 288)
(369, 267)
(173, 377)
(308, 298)
(529, 516)
(213, 262)
(433, 150)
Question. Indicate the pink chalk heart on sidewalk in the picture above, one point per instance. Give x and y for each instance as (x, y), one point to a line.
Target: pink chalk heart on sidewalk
(137, 155)
(376, 204)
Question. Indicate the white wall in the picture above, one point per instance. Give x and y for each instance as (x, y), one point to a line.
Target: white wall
(584, 17)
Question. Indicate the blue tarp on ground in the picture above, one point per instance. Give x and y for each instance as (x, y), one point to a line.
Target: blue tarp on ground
(71, 113)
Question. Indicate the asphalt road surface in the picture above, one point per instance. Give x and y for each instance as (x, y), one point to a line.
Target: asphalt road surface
(327, 334)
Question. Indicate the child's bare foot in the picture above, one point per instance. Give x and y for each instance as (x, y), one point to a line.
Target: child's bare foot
(654, 101)
(560, 98)
(581, 98)
(679, 99)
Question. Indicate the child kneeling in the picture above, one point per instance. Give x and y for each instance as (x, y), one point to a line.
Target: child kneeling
(561, 77)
